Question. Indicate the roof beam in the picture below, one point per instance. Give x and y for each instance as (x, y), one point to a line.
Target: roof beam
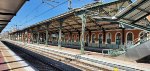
(140, 18)
(5, 20)
(71, 26)
(132, 9)
(1, 13)
(137, 26)
(94, 22)
(58, 29)
(105, 12)
(74, 19)
(142, 10)
(3, 24)
(127, 19)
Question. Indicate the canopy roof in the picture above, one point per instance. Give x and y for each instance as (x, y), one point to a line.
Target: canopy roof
(8, 9)
(135, 14)
(72, 23)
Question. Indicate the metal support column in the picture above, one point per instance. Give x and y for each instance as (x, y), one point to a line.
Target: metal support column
(104, 35)
(38, 36)
(89, 37)
(123, 34)
(21, 37)
(60, 32)
(79, 35)
(47, 35)
(24, 36)
(83, 18)
(15, 36)
(9, 36)
(27, 36)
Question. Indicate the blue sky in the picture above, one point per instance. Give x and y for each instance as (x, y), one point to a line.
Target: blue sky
(34, 11)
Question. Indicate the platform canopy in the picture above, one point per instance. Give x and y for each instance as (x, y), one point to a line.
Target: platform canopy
(71, 22)
(8, 9)
(135, 15)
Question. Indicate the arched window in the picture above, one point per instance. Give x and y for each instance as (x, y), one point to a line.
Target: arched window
(87, 38)
(108, 38)
(93, 38)
(100, 38)
(118, 38)
(77, 38)
(129, 38)
(72, 38)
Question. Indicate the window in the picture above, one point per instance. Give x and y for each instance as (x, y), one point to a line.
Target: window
(87, 38)
(108, 38)
(77, 39)
(129, 38)
(118, 39)
(93, 38)
(100, 38)
(73, 38)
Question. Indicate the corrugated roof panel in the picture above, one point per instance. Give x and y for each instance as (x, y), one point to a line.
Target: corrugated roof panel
(8, 9)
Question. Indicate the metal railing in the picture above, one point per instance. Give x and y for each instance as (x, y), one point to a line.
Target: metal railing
(136, 42)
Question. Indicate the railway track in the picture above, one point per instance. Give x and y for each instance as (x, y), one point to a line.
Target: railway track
(70, 61)
(76, 60)
(66, 60)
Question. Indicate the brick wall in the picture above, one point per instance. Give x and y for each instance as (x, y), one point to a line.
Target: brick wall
(135, 32)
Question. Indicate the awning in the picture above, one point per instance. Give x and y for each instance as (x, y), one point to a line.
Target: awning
(135, 15)
(8, 9)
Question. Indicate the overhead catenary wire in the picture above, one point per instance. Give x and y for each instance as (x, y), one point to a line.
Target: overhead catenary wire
(30, 13)
(37, 16)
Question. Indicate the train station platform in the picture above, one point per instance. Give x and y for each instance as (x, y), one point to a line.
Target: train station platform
(94, 58)
(9, 61)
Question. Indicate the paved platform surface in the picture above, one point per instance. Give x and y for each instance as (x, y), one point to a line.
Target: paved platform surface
(93, 55)
(9, 61)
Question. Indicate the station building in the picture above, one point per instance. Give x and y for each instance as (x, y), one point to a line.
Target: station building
(100, 34)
